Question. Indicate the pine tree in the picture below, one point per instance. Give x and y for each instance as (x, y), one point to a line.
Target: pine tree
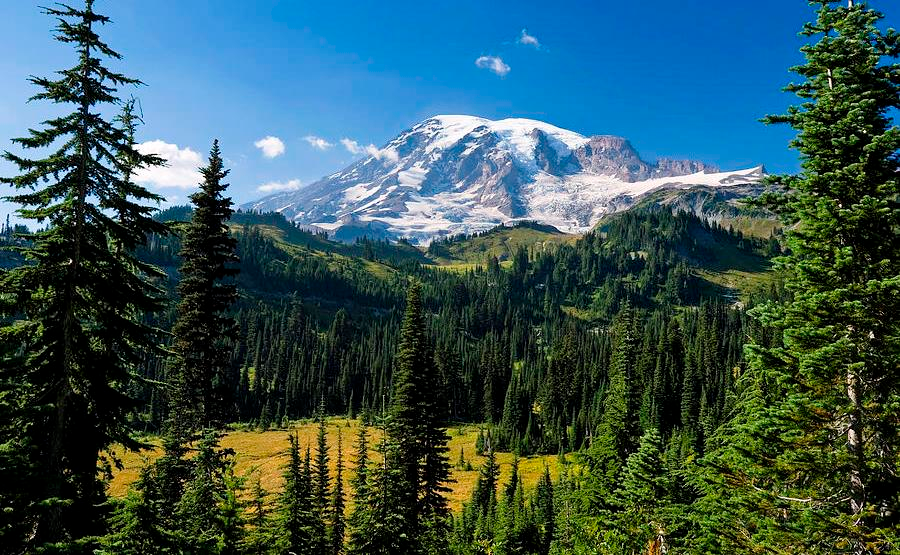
(812, 455)
(295, 510)
(337, 525)
(641, 522)
(200, 388)
(76, 307)
(137, 524)
(321, 476)
(618, 428)
(545, 509)
(416, 428)
(259, 537)
(405, 425)
(360, 483)
(208, 512)
(484, 496)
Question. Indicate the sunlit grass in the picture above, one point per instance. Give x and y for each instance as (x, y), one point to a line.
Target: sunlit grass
(262, 454)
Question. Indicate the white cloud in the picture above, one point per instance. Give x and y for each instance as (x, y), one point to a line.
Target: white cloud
(493, 63)
(529, 40)
(278, 186)
(318, 143)
(388, 154)
(181, 169)
(354, 147)
(270, 146)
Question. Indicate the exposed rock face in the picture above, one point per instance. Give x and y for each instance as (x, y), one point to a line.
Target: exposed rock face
(460, 174)
(613, 156)
(671, 168)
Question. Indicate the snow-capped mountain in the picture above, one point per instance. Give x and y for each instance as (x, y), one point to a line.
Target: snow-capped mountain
(461, 174)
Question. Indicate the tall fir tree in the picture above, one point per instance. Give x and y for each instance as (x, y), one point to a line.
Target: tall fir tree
(199, 381)
(75, 308)
(337, 526)
(812, 453)
(618, 429)
(361, 486)
(415, 427)
(298, 519)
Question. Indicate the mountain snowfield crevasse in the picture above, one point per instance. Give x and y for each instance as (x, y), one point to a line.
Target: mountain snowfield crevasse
(452, 174)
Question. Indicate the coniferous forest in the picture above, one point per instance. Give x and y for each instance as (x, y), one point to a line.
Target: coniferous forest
(684, 416)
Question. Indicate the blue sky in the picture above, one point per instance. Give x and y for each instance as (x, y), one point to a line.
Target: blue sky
(679, 79)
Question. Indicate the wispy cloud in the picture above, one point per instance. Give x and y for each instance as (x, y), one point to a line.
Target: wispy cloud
(270, 146)
(318, 143)
(279, 186)
(353, 147)
(181, 169)
(528, 40)
(494, 64)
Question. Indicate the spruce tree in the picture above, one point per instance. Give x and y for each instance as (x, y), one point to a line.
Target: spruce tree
(618, 428)
(361, 486)
(321, 476)
(337, 525)
(75, 308)
(209, 514)
(259, 537)
(301, 529)
(198, 377)
(416, 428)
(640, 521)
(812, 454)
(405, 425)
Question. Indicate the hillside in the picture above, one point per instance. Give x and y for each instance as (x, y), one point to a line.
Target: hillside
(732, 264)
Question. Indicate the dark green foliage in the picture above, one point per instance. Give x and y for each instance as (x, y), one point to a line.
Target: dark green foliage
(260, 536)
(181, 505)
(73, 333)
(618, 427)
(337, 524)
(358, 521)
(639, 519)
(810, 460)
(201, 385)
(301, 529)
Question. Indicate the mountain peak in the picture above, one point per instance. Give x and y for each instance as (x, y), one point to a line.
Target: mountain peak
(452, 174)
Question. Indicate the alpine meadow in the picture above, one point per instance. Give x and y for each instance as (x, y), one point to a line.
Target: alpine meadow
(489, 335)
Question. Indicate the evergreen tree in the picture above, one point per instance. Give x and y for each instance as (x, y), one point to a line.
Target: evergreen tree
(337, 525)
(811, 458)
(201, 390)
(208, 513)
(321, 476)
(416, 428)
(137, 524)
(405, 426)
(360, 483)
(297, 518)
(382, 527)
(640, 522)
(74, 310)
(618, 427)
(545, 509)
(259, 537)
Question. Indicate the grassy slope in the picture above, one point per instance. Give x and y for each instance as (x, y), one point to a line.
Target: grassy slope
(730, 272)
(500, 242)
(263, 454)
